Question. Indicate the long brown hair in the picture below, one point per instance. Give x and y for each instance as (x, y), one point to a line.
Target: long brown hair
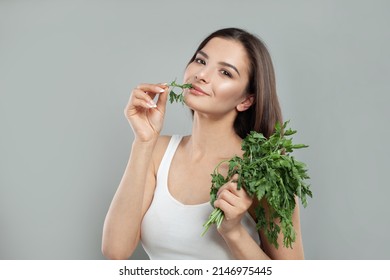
(265, 112)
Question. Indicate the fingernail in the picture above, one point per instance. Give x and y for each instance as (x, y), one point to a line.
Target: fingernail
(151, 104)
(162, 90)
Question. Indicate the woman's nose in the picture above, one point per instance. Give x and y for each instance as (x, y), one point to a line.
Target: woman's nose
(203, 75)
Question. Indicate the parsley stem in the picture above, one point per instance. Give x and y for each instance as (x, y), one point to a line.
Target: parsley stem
(266, 170)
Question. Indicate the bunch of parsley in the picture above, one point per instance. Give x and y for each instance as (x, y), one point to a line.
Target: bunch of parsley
(177, 97)
(267, 171)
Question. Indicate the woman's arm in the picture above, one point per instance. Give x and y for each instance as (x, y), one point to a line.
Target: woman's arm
(235, 203)
(121, 232)
(294, 253)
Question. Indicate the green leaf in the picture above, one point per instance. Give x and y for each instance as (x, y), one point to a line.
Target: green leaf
(268, 171)
(177, 97)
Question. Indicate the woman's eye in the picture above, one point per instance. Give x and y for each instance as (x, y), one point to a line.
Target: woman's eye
(199, 60)
(226, 73)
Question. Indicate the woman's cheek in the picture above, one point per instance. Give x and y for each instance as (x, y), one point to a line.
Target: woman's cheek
(229, 90)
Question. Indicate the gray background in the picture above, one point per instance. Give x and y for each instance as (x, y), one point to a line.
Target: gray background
(66, 70)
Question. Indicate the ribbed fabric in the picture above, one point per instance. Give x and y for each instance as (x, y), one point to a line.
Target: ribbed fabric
(172, 230)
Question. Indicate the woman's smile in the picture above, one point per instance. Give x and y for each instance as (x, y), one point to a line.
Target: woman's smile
(198, 91)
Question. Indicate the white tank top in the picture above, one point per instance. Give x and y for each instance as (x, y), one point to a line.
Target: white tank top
(172, 230)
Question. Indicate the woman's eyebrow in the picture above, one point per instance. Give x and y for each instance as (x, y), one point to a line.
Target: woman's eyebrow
(203, 53)
(230, 66)
(221, 63)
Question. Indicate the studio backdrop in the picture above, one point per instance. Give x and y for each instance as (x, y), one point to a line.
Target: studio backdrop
(66, 72)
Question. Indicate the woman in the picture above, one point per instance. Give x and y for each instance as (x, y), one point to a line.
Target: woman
(163, 197)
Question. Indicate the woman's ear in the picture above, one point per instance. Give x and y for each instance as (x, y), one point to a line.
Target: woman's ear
(246, 103)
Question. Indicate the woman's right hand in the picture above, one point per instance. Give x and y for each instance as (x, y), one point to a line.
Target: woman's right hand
(145, 117)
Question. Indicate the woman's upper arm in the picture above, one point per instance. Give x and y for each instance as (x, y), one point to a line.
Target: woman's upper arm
(151, 178)
(296, 252)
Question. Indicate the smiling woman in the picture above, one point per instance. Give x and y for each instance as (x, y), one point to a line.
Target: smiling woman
(163, 197)
(224, 62)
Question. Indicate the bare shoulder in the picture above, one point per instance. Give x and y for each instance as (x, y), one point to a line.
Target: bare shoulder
(162, 144)
(159, 149)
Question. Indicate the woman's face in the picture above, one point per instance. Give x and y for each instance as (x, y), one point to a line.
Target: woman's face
(219, 76)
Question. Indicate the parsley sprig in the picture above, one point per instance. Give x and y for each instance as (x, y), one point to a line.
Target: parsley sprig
(267, 171)
(177, 97)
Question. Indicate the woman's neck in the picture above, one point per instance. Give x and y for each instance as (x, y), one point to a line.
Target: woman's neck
(213, 138)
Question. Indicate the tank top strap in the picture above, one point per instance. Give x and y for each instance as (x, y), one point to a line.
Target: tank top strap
(165, 163)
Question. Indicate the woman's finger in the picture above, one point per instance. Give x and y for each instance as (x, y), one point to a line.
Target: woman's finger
(162, 100)
(230, 185)
(141, 98)
(225, 206)
(148, 92)
(228, 196)
(152, 89)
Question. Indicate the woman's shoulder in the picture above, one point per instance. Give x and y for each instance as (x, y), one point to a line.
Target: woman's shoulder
(160, 148)
(161, 145)
(163, 142)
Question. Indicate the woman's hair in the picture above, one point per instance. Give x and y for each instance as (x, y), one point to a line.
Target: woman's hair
(265, 111)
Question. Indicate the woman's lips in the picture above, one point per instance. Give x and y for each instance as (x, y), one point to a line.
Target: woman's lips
(197, 91)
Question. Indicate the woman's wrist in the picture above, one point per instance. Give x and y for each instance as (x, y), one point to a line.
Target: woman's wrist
(142, 150)
(233, 234)
(145, 143)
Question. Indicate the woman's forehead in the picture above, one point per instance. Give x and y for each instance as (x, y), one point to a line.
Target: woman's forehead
(228, 51)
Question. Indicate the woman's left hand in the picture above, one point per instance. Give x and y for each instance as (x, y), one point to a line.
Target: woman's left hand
(234, 203)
